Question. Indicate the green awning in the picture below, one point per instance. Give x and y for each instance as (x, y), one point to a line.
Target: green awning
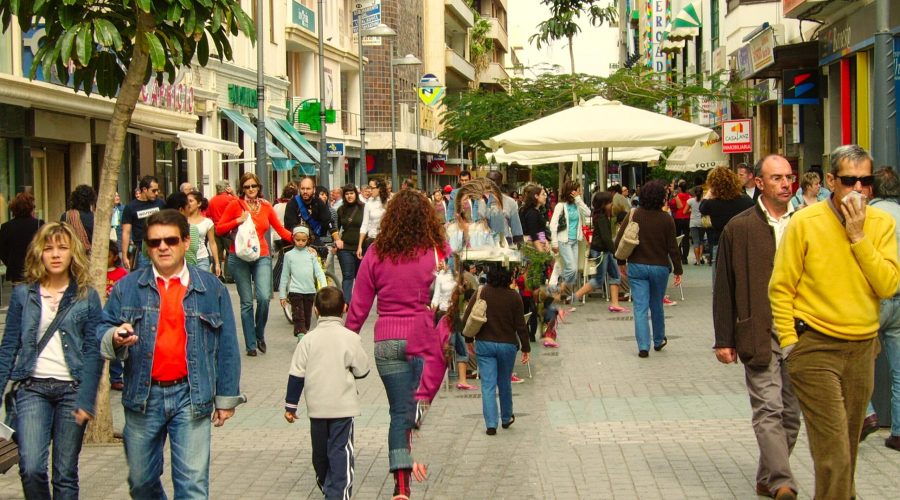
(310, 150)
(307, 164)
(280, 161)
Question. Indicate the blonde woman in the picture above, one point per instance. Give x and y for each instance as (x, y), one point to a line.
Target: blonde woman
(51, 353)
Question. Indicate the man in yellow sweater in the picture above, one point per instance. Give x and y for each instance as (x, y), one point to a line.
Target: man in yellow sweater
(837, 259)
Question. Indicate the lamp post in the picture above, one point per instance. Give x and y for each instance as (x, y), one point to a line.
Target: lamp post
(380, 31)
(407, 60)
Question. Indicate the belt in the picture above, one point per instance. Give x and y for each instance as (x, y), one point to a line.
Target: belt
(169, 383)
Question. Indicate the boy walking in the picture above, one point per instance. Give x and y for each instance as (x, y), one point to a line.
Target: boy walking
(327, 361)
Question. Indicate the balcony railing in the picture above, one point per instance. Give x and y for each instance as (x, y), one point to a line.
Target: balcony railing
(498, 32)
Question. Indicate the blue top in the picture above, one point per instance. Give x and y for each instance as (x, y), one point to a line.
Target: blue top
(572, 215)
(300, 273)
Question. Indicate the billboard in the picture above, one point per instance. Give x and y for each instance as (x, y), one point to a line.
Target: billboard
(737, 136)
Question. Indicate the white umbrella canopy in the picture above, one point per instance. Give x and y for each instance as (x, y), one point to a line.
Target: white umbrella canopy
(700, 156)
(544, 157)
(600, 123)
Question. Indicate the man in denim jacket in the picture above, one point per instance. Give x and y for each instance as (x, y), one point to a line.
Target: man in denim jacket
(173, 326)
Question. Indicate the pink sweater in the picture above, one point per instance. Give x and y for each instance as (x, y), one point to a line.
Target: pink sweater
(403, 291)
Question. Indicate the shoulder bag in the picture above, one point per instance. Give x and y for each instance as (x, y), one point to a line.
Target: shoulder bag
(630, 239)
(9, 450)
(477, 317)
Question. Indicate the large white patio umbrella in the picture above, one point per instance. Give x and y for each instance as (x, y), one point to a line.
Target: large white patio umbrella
(545, 157)
(600, 123)
(700, 156)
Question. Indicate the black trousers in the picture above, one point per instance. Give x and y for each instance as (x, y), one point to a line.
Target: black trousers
(332, 455)
(301, 311)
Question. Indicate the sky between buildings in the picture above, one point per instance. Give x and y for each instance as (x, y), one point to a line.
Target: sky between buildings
(595, 48)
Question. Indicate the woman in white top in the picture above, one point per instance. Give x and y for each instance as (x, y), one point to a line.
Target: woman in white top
(372, 214)
(51, 352)
(206, 234)
(696, 224)
(565, 226)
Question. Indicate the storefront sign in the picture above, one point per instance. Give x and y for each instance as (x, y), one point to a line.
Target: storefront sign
(744, 65)
(175, 97)
(852, 32)
(659, 13)
(369, 15)
(762, 50)
(242, 96)
(718, 59)
(801, 86)
(334, 149)
(766, 91)
(737, 136)
(303, 17)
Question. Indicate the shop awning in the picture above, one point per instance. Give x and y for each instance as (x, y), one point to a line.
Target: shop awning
(792, 56)
(191, 141)
(686, 24)
(701, 156)
(280, 161)
(308, 148)
(307, 165)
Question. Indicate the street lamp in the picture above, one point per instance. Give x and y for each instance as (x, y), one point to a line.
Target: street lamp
(380, 31)
(407, 60)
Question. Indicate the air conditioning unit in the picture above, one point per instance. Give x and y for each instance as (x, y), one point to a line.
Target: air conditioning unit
(814, 9)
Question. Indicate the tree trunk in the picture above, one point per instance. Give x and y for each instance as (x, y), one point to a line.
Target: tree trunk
(100, 429)
(572, 62)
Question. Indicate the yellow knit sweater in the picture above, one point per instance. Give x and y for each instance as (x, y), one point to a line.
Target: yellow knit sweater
(833, 286)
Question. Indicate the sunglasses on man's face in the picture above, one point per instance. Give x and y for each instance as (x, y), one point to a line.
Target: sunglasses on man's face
(171, 241)
(851, 180)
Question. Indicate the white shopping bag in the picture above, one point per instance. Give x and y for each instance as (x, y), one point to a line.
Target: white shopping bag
(246, 241)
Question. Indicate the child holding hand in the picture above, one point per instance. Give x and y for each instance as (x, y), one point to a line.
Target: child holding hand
(327, 361)
(301, 276)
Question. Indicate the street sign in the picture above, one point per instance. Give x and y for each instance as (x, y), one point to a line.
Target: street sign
(369, 14)
(737, 136)
(334, 149)
(430, 90)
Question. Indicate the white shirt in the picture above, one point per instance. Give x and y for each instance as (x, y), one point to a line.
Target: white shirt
(779, 224)
(203, 228)
(52, 361)
(444, 283)
(184, 276)
(372, 214)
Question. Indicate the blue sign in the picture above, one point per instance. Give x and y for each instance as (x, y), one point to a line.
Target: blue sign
(334, 149)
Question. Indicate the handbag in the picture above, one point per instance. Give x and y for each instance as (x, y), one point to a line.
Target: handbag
(706, 222)
(246, 241)
(630, 239)
(477, 316)
(9, 450)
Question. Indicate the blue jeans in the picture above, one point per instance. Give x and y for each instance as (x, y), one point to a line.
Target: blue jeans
(568, 251)
(607, 271)
(43, 414)
(400, 382)
(889, 335)
(142, 260)
(349, 268)
(260, 271)
(168, 413)
(648, 287)
(495, 366)
(116, 371)
(203, 264)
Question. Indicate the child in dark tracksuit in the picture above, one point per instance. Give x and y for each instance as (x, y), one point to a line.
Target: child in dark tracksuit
(327, 361)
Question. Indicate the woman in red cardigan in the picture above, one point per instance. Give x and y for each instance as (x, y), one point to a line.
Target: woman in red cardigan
(251, 204)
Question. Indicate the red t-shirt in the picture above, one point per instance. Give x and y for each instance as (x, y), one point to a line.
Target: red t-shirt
(217, 205)
(681, 213)
(170, 352)
(112, 276)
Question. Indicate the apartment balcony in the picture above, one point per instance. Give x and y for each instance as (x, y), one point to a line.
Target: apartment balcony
(460, 12)
(460, 72)
(494, 75)
(498, 33)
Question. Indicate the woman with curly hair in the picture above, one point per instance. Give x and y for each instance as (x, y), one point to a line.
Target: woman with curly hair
(650, 263)
(81, 214)
(51, 353)
(724, 199)
(399, 269)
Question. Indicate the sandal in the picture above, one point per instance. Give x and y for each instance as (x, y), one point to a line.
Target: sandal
(550, 343)
(465, 387)
(618, 309)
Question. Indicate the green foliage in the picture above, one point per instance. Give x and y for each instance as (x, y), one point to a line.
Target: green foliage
(480, 44)
(536, 261)
(97, 37)
(564, 15)
(472, 117)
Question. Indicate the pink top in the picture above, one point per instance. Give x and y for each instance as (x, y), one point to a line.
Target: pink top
(403, 291)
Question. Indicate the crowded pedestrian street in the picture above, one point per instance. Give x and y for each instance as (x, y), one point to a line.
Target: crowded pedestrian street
(594, 421)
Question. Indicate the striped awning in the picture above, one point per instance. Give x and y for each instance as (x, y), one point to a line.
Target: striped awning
(686, 24)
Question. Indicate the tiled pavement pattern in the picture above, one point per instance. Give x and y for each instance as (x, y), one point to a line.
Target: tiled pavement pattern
(594, 422)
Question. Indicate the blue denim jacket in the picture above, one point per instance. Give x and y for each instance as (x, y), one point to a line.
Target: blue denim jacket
(18, 350)
(213, 359)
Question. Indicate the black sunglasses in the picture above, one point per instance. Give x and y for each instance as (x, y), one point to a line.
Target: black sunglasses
(851, 180)
(251, 186)
(170, 241)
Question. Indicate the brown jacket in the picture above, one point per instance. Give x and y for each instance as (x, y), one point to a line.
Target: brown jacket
(742, 314)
